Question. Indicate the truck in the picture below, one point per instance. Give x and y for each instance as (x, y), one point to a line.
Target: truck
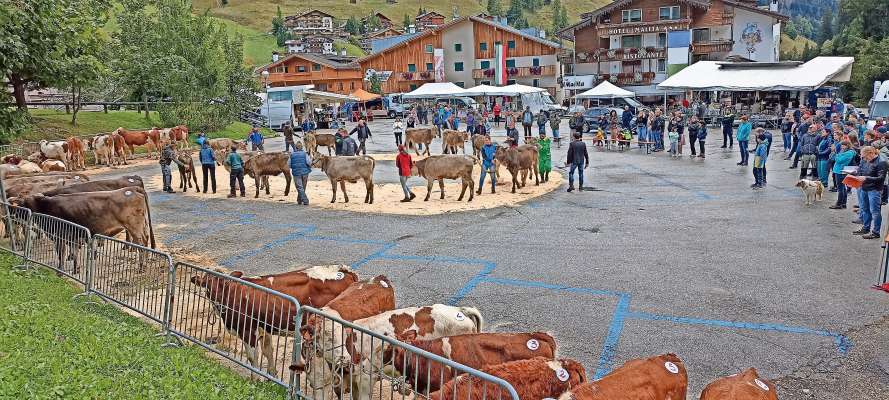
(389, 105)
(283, 104)
(879, 104)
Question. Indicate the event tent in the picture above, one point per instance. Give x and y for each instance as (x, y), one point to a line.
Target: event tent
(517, 90)
(754, 76)
(364, 96)
(605, 90)
(435, 90)
(320, 97)
(487, 90)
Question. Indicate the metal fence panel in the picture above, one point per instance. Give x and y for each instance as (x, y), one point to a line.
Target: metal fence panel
(134, 276)
(16, 225)
(343, 359)
(60, 245)
(248, 324)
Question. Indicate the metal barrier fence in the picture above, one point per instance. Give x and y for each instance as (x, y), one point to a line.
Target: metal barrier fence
(883, 271)
(16, 225)
(246, 323)
(341, 358)
(59, 245)
(133, 276)
(250, 325)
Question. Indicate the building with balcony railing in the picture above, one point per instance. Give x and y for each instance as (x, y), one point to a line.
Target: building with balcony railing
(310, 69)
(626, 41)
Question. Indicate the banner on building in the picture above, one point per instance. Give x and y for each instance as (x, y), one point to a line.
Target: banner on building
(438, 60)
(578, 82)
(678, 43)
(499, 65)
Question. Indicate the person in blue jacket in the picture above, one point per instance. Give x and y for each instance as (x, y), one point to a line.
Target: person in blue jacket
(255, 138)
(300, 167)
(841, 160)
(743, 137)
(208, 164)
(488, 151)
(823, 156)
(761, 155)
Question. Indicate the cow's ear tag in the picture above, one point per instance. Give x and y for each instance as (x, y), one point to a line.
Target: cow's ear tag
(562, 374)
(762, 385)
(76, 178)
(384, 284)
(128, 193)
(131, 180)
(459, 316)
(533, 344)
(340, 275)
(671, 367)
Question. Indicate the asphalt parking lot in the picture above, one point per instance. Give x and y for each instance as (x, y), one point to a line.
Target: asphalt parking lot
(663, 255)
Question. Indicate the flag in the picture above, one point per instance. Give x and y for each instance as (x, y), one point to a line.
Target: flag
(499, 65)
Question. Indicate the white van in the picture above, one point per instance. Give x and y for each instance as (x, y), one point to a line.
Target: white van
(280, 105)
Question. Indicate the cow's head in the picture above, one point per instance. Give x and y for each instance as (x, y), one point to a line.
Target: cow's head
(419, 167)
(327, 340)
(241, 145)
(321, 162)
(436, 131)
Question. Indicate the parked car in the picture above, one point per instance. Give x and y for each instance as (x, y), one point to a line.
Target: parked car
(591, 117)
(463, 102)
(576, 108)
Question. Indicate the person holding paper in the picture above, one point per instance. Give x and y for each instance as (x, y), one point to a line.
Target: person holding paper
(841, 161)
(871, 173)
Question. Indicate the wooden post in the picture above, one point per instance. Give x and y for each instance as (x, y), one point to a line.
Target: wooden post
(105, 108)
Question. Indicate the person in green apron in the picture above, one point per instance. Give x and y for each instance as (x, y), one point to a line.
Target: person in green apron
(545, 163)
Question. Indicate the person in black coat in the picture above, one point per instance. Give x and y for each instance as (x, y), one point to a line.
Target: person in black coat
(363, 133)
(578, 159)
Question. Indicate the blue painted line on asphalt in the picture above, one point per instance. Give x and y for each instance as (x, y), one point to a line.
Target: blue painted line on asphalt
(473, 282)
(612, 340)
(377, 254)
(842, 342)
(264, 248)
(543, 285)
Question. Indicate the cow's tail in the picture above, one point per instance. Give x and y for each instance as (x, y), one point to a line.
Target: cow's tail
(148, 213)
(476, 316)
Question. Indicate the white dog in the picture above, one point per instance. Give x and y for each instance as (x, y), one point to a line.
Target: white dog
(813, 190)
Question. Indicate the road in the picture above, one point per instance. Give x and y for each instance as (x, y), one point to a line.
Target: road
(663, 255)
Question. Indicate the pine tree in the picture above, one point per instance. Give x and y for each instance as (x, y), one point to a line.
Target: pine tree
(514, 13)
(407, 21)
(558, 12)
(494, 7)
(826, 31)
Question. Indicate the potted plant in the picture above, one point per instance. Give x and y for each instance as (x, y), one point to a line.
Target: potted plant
(425, 75)
(512, 71)
(536, 70)
(489, 72)
(633, 50)
(408, 76)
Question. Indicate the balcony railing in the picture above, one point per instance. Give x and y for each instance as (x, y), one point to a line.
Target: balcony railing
(635, 28)
(517, 72)
(422, 76)
(630, 78)
(713, 46)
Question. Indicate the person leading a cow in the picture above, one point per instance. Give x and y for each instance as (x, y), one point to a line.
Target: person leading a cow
(236, 172)
(487, 153)
(288, 137)
(300, 167)
(578, 158)
(404, 163)
(168, 156)
(363, 134)
(545, 162)
(208, 165)
(255, 138)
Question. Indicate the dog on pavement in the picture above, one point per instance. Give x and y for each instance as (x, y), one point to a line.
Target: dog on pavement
(813, 190)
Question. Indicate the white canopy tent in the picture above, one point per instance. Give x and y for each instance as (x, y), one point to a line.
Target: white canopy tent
(487, 90)
(436, 90)
(605, 90)
(735, 77)
(518, 90)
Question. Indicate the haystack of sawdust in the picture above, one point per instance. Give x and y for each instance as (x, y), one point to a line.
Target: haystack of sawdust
(387, 196)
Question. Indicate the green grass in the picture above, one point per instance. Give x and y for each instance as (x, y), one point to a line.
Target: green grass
(51, 125)
(795, 46)
(54, 348)
(258, 45)
(350, 48)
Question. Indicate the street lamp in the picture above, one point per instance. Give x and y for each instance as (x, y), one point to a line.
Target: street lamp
(265, 83)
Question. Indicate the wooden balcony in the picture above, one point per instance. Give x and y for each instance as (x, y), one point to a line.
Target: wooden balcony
(518, 72)
(639, 78)
(423, 76)
(713, 46)
(636, 28)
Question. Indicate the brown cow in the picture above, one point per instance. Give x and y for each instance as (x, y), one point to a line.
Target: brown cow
(313, 140)
(261, 166)
(187, 172)
(657, 378)
(348, 168)
(221, 147)
(102, 213)
(179, 136)
(424, 136)
(138, 138)
(522, 159)
(744, 386)
(26, 185)
(53, 166)
(474, 350)
(76, 154)
(120, 148)
(360, 300)
(314, 286)
(535, 378)
(97, 186)
(447, 166)
(13, 159)
(451, 140)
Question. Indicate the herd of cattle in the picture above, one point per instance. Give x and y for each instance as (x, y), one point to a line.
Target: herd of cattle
(341, 361)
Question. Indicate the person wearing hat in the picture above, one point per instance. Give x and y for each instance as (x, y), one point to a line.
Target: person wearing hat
(300, 168)
(404, 163)
(487, 153)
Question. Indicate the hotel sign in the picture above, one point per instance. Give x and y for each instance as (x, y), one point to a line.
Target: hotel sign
(638, 29)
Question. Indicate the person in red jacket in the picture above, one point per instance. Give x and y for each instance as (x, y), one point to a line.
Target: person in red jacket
(404, 163)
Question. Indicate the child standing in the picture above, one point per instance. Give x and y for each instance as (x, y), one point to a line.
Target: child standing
(398, 129)
(545, 162)
(759, 162)
(674, 141)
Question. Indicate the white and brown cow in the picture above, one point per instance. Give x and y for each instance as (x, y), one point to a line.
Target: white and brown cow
(536, 378)
(57, 150)
(661, 377)
(474, 350)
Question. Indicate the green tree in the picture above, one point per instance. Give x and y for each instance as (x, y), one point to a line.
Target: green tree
(407, 21)
(514, 13)
(373, 23)
(375, 85)
(353, 26)
(790, 29)
(825, 31)
(39, 40)
(279, 30)
(494, 7)
(560, 17)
